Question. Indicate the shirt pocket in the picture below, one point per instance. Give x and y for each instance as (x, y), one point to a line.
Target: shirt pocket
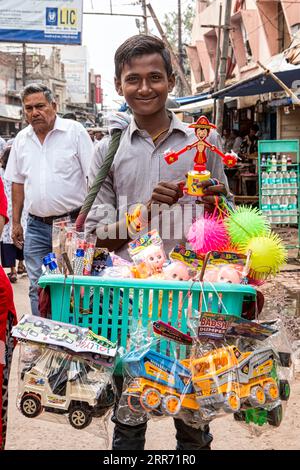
(64, 164)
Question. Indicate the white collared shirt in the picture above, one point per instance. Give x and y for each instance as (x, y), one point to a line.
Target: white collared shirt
(54, 173)
(138, 167)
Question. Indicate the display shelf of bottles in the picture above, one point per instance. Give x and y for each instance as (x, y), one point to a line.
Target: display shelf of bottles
(279, 189)
(278, 163)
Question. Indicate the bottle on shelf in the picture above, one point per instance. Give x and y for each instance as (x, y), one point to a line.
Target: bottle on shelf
(289, 161)
(269, 164)
(263, 161)
(293, 209)
(284, 206)
(274, 163)
(271, 182)
(265, 182)
(278, 182)
(283, 163)
(275, 210)
(293, 182)
(265, 203)
(286, 183)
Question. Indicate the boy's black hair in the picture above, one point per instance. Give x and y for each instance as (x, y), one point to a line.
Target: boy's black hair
(139, 45)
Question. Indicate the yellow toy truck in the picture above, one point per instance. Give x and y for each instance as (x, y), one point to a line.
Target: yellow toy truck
(230, 379)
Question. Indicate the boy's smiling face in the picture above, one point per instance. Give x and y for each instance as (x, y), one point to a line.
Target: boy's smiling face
(145, 85)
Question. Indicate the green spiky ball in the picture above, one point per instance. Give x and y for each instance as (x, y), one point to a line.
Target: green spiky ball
(246, 223)
(268, 255)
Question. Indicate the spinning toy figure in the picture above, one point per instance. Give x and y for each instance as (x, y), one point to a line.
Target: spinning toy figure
(202, 129)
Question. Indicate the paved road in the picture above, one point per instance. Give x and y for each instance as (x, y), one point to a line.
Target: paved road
(34, 434)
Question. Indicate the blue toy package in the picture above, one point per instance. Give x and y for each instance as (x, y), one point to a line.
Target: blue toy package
(101, 261)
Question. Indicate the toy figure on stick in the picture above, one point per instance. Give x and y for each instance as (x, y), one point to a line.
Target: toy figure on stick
(199, 174)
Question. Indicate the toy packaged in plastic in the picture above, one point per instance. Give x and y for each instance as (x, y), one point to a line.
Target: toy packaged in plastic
(101, 260)
(228, 267)
(61, 238)
(90, 244)
(156, 384)
(148, 250)
(65, 374)
(237, 369)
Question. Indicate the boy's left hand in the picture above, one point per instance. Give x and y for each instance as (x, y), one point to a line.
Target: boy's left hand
(210, 192)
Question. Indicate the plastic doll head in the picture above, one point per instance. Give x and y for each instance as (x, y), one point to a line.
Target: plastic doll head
(155, 258)
(176, 271)
(202, 127)
(202, 133)
(229, 274)
(211, 275)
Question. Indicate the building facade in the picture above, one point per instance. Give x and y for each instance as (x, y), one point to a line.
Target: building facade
(259, 30)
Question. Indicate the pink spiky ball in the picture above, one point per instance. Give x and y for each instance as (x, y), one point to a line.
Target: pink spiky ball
(207, 234)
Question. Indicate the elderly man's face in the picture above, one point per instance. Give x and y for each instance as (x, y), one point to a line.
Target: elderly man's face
(39, 112)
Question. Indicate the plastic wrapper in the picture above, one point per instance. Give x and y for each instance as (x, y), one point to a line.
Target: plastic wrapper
(90, 240)
(101, 260)
(148, 251)
(60, 240)
(117, 272)
(240, 367)
(156, 383)
(227, 267)
(65, 375)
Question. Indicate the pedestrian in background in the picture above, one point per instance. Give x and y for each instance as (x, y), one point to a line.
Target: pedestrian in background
(9, 252)
(7, 320)
(48, 167)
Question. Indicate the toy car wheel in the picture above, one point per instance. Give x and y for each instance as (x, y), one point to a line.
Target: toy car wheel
(271, 391)
(232, 402)
(284, 390)
(274, 416)
(150, 399)
(257, 396)
(30, 405)
(134, 404)
(171, 405)
(79, 417)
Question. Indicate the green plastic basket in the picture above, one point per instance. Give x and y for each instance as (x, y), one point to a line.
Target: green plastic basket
(115, 307)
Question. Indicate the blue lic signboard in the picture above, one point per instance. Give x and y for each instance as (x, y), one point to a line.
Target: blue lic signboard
(41, 21)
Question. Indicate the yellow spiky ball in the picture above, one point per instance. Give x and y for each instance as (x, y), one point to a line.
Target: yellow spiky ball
(268, 255)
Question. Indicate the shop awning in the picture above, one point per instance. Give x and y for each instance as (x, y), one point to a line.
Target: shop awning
(182, 100)
(198, 107)
(261, 83)
(9, 112)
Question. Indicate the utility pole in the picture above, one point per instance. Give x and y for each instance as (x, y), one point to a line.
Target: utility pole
(180, 54)
(174, 58)
(223, 65)
(144, 6)
(24, 64)
(217, 59)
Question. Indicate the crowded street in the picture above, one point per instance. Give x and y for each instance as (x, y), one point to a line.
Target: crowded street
(149, 228)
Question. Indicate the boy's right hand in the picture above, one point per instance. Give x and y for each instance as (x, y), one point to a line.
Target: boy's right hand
(167, 193)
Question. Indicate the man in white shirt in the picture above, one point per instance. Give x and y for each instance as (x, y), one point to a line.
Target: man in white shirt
(2, 145)
(48, 167)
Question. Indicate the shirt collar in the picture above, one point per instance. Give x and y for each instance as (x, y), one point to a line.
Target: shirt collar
(175, 124)
(60, 124)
